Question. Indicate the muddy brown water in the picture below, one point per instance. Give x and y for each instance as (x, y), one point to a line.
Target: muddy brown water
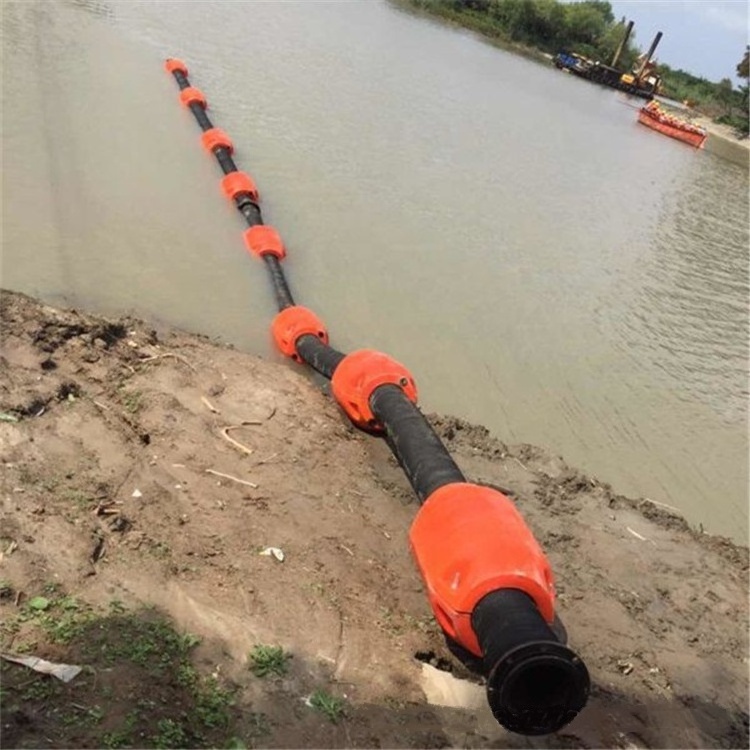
(543, 264)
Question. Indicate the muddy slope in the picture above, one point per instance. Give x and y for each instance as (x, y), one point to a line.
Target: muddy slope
(122, 482)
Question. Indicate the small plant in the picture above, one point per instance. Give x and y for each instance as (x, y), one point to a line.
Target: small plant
(266, 660)
(171, 735)
(212, 704)
(329, 705)
(116, 607)
(257, 725)
(132, 401)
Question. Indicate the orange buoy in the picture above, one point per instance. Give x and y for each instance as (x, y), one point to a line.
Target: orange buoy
(263, 239)
(358, 375)
(216, 138)
(293, 322)
(239, 183)
(193, 95)
(469, 540)
(172, 64)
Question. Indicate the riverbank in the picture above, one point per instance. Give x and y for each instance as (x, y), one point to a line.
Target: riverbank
(124, 489)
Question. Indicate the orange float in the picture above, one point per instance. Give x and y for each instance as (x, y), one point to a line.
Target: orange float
(358, 375)
(468, 541)
(292, 323)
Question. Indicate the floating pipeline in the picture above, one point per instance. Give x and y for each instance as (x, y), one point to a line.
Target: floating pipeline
(490, 585)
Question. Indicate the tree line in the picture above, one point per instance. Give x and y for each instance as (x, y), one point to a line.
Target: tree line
(590, 28)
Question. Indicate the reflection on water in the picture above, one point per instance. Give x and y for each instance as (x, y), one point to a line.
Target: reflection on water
(541, 263)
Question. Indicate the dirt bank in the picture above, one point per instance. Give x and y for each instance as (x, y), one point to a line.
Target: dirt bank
(122, 488)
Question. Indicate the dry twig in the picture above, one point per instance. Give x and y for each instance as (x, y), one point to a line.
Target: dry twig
(166, 354)
(236, 443)
(209, 405)
(234, 479)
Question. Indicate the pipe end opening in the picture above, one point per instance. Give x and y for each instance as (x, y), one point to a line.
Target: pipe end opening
(538, 688)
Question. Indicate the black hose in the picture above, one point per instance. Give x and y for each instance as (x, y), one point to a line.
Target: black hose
(321, 357)
(200, 115)
(284, 297)
(226, 162)
(421, 453)
(535, 685)
(182, 80)
(249, 209)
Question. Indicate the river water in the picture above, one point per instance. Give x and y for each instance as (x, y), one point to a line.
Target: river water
(544, 265)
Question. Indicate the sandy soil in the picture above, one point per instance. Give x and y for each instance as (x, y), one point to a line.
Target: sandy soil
(722, 131)
(113, 456)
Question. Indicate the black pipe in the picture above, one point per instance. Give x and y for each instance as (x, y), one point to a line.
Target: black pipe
(249, 209)
(226, 162)
(321, 357)
(182, 79)
(201, 116)
(421, 453)
(535, 684)
(284, 297)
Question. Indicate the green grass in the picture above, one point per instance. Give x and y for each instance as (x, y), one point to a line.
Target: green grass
(268, 660)
(330, 706)
(212, 703)
(178, 707)
(132, 401)
(171, 734)
(123, 736)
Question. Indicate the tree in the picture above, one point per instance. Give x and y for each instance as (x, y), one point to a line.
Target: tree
(585, 22)
(743, 71)
(724, 95)
(743, 67)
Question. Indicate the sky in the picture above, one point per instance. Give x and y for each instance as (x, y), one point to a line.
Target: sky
(705, 37)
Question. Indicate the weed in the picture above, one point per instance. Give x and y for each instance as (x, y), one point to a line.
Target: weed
(122, 737)
(132, 401)
(395, 704)
(148, 643)
(116, 607)
(77, 497)
(160, 550)
(187, 676)
(266, 660)
(41, 689)
(212, 704)
(64, 619)
(425, 624)
(185, 709)
(171, 735)
(317, 588)
(50, 484)
(85, 717)
(189, 641)
(258, 725)
(329, 705)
